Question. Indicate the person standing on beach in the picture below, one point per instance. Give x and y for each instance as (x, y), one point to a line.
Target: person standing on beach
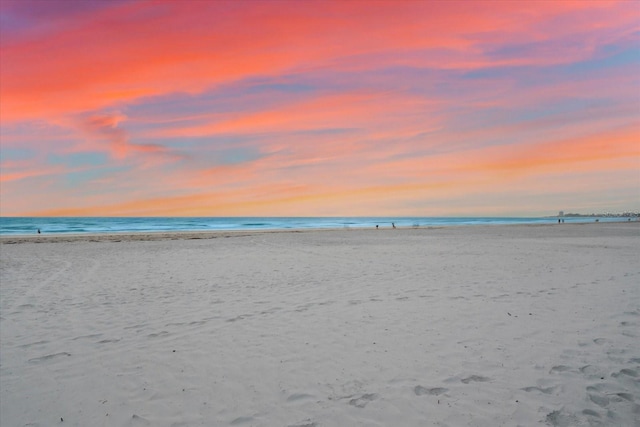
(393, 224)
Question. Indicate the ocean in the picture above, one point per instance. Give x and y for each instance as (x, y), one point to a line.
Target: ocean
(80, 225)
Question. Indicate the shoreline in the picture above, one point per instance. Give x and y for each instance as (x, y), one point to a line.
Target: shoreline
(24, 227)
(127, 236)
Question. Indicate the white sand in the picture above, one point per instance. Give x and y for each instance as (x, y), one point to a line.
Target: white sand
(464, 326)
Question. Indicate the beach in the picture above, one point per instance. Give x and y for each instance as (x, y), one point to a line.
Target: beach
(505, 325)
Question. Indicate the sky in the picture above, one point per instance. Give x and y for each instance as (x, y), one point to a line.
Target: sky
(319, 108)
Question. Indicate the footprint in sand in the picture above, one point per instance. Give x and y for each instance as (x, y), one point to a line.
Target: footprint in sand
(589, 369)
(559, 368)
(546, 390)
(158, 334)
(625, 396)
(475, 378)
(306, 423)
(436, 391)
(81, 337)
(295, 397)
(561, 418)
(591, 413)
(241, 420)
(108, 341)
(362, 401)
(628, 372)
(602, 401)
(48, 357)
(137, 420)
(32, 344)
(132, 327)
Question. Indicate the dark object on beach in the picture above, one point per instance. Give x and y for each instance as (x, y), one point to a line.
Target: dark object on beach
(376, 226)
(393, 224)
(38, 231)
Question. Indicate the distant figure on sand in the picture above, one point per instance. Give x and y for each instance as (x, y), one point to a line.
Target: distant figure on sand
(38, 231)
(376, 226)
(393, 224)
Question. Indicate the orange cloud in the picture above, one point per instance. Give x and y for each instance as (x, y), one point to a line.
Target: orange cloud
(562, 155)
(24, 173)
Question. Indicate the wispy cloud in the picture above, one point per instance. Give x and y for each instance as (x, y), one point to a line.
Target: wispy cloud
(105, 130)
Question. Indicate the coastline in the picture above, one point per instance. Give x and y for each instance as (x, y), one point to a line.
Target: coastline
(19, 226)
(126, 236)
(453, 326)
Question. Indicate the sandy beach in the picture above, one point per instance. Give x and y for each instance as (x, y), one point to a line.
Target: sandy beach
(459, 326)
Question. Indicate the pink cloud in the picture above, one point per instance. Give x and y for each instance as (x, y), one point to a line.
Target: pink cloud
(331, 107)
